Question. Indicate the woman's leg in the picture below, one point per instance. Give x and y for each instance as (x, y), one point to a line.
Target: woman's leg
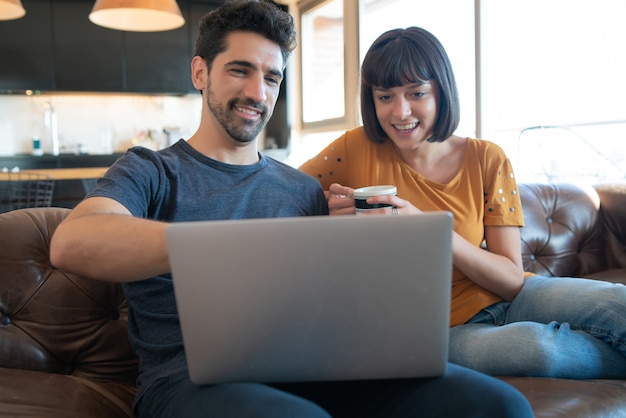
(593, 306)
(555, 327)
(534, 349)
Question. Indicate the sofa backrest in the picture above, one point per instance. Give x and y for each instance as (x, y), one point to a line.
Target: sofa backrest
(52, 321)
(563, 233)
(613, 209)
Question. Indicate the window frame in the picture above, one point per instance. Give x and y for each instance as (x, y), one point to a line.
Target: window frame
(351, 13)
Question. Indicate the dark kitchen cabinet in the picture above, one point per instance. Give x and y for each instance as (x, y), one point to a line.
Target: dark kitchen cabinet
(26, 59)
(55, 47)
(158, 62)
(195, 11)
(87, 57)
(92, 58)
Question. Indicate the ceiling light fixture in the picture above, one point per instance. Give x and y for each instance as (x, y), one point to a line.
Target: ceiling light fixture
(11, 9)
(137, 15)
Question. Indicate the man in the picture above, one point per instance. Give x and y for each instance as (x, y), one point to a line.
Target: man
(118, 234)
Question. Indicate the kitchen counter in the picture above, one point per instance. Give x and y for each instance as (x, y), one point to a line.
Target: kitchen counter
(29, 162)
(74, 175)
(71, 173)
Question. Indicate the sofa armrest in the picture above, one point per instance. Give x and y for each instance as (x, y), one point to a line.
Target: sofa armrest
(52, 321)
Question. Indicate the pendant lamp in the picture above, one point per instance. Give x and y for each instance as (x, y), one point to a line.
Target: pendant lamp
(137, 15)
(11, 9)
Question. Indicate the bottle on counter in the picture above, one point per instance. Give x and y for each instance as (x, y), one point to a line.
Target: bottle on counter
(50, 128)
(37, 150)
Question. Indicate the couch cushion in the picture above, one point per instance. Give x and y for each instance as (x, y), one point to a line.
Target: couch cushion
(35, 394)
(611, 275)
(560, 398)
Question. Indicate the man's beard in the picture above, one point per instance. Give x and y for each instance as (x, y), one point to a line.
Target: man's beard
(240, 130)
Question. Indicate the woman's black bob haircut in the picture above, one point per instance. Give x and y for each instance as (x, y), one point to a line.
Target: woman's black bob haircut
(406, 56)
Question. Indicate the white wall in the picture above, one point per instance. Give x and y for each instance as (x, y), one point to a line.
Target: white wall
(93, 120)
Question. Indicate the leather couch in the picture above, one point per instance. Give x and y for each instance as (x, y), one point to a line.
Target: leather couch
(64, 350)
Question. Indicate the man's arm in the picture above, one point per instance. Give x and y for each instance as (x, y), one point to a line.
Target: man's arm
(100, 239)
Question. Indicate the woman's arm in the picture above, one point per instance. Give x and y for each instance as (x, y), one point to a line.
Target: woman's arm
(498, 268)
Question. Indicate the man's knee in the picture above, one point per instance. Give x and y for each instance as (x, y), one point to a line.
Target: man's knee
(251, 400)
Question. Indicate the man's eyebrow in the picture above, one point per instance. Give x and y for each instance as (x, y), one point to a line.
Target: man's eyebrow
(248, 64)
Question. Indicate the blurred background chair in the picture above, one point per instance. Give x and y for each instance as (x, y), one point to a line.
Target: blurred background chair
(23, 189)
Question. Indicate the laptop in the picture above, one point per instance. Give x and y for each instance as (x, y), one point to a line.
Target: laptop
(323, 298)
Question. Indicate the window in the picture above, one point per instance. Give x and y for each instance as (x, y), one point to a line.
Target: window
(323, 63)
(553, 90)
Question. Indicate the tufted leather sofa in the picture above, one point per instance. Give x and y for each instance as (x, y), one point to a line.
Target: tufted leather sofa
(64, 350)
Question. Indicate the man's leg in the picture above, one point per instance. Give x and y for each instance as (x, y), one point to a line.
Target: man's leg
(177, 396)
(460, 392)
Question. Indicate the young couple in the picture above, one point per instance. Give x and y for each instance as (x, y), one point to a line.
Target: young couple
(410, 113)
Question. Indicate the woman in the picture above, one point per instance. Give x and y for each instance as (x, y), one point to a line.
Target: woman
(503, 321)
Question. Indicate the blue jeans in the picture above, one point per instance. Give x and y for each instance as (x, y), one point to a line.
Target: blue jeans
(459, 393)
(556, 327)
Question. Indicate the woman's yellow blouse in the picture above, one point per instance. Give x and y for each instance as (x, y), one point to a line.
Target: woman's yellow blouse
(484, 192)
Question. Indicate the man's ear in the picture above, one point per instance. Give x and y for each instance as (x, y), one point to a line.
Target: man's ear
(199, 73)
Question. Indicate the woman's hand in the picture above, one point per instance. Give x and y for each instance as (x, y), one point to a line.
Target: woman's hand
(340, 201)
(398, 205)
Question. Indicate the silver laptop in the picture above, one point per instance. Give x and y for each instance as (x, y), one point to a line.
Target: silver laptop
(313, 298)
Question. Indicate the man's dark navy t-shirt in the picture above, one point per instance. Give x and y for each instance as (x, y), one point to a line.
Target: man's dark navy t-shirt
(180, 184)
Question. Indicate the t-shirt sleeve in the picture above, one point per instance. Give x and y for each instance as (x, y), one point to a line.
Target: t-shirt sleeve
(131, 180)
(502, 200)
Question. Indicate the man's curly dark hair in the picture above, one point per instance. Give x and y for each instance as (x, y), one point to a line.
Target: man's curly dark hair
(258, 16)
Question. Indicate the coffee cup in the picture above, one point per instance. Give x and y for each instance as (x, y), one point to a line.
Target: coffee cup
(361, 195)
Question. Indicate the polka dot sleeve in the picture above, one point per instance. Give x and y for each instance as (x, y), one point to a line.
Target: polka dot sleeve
(502, 201)
(330, 165)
